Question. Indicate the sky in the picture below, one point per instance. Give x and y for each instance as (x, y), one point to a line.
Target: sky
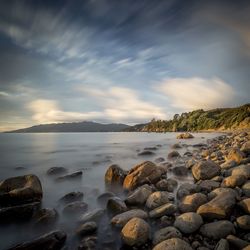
(122, 61)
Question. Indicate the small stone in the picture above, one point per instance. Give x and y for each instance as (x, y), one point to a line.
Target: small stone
(234, 181)
(116, 206)
(71, 197)
(75, 208)
(86, 228)
(146, 153)
(102, 199)
(176, 146)
(173, 244)
(204, 170)
(245, 205)
(56, 170)
(45, 217)
(236, 242)
(222, 245)
(167, 185)
(180, 171)
(157, 199)
(242, 170)
(173, 154)
(190, 203)
(236, 155)
(185, 136)
(243, 222)
(246, 189)
(77, 174)
(166, 209)
(165, 234)
(94, 215)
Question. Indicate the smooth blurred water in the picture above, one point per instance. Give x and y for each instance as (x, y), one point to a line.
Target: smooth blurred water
(90, 152)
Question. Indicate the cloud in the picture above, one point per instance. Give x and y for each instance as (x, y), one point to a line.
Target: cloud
(196, 93)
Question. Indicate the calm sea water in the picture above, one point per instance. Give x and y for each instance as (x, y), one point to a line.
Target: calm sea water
(90, 152)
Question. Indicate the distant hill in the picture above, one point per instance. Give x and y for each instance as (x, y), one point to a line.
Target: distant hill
(199, 120)
(85, 126)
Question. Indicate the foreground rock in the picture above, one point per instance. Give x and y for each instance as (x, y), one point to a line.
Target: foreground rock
(121, 219)
(144, 173)
(205, 170)
(53, 241)
(135, 232)
(185, 136)
(234, 181)
(243, 222)
(165, 234)
(20, 190)
(173, 244)
(115, 175)
(218, 229)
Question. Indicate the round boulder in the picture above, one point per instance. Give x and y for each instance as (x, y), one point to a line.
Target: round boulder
(204, 170)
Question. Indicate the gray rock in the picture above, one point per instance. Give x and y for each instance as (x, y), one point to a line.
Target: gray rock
(243, 222)
(159, 160)
(116, 206)
(88, 243)
(173, 244)
(157, 199)
(188, 223)
(86, 228)
(56, 170)
(75, 208)
(185, 136)
(180, 171)
(173, 155)
(246, 189)
(71, 197)
(146, 153)
(217, 230)
(208, 185)
(45, 217)
(186, 189)
(176, 146)
(204, 170)
(77, 174)
(166, 209)
(94, 215)
(102, 199)
(236, 242)
(167, 185)
(222, 245)
(165, 234)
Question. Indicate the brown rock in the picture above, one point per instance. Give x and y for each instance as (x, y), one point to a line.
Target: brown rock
(204, 170)
(173, 244)
(236, 155)
(115, 175)
(191, 202)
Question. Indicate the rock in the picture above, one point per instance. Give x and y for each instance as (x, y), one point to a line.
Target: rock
(165, 234)
(188, 223)
(71, 197)
(146, 172)
(217, 230)
(115, 175)
(242, 170)
(166, 209)
(190, 203)
(56, 170)
(86, 228)
(103, 198)
(245, 205)
(94, 215)
(173, 155)
(75, 208)
(222, 245)
(243, 222)
(219, 207)
(151, 148)
(190, 163)
(121, 219)
(146, 152)
(159, 160)
(53, 241)
(185, 136)
(245, 148)
(228, 164)
(45, 217)
(19, 212)
(208, 185)
(135, 232)
(176, 146)
(157, 199)
(139, 196)
(77, 174)
(167, 185)
(246, 189)
(234, 181)
(236, 242)
(236, 155)
(180, 171)
(173, 244)
(88, 243)
(186, 189)
(116, 206)
(20, 190)
(204, 170)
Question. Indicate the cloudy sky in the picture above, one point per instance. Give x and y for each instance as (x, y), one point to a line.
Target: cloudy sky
(120, 61)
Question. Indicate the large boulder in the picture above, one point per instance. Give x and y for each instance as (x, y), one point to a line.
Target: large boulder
(236, 155)
(204, 170)
(20, 190)
(115, 175)
(185, 136)
(165, 234)
(146, 172)
(188, 223)
(53, 241)
(157, 199)
(220, 206)
(217, 230)
(173, 244)
(121, 219)
(191, 202)
(135, 232)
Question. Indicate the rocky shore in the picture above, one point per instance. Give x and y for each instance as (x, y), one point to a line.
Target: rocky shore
(196, 200)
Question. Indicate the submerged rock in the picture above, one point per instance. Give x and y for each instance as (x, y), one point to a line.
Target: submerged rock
(173, 155)
(146, 152)
(56, 170)
(53, 241)
(86, 228)
(102, 199)
(115, 175)
(71, 197)
(45, 217)
(157, 199)
(173, 244)
(75, 208)
(185, 136)
(77, 174)
(116, 206)
(165, 234)
(88, 243)
(167, 185)
(94, 215)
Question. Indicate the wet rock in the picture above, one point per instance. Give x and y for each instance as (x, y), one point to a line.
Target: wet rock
(103, 198)
(94, 215)
(151, 148)
(185, 136)
(77, 174)
(217, 230)
(173, 244)
(45, 217)
(86, 228)
(53, 241)
(246, 189)
(20, 190)
(236, 243)
(180, 171)
(88, 243)
(135, 232)
(18, 212)
(146, 152)
(167, 185)
(71, 197)
(243, 222)
(56, 170)
(236, 155)
(219, 207)
(208, 185)
(190, 163)
(190, 203)
(242, 170)
(166, 209)
(166, 165)
(165, 234)
(228, 164)
(146, 172)
(188, 223)
(176, 146)
(115, 175)
(121, 219)
(204, 170)
(139, 196)
(234, 181)
(222, 245)
(75, 208)
(173, 155)
(157, 199)
(245, 148)
(186, 189)
(116, 206)
(159, 160)
(200, 145)
(245, 205)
